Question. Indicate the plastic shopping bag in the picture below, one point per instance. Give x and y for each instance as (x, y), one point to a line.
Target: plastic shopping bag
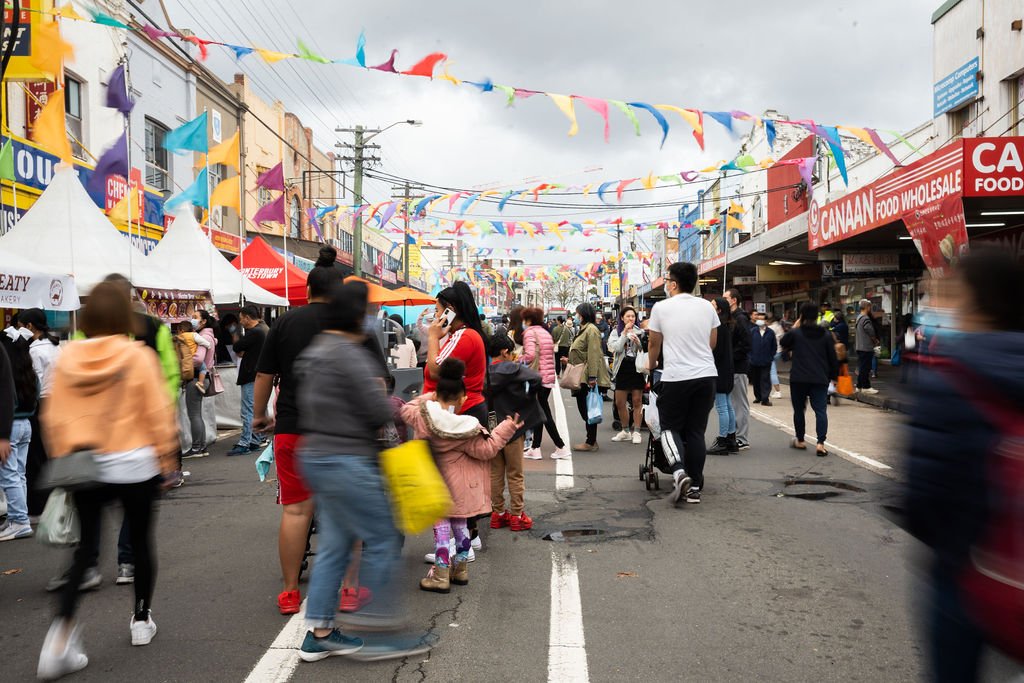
(58, 525)
(595, 407)
(265, 460)
(652, 417)
(419, 495)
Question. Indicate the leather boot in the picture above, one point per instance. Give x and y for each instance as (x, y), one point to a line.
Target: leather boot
(436, 580)
(460, 573)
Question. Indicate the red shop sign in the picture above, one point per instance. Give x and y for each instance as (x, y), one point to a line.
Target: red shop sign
(931, 179)
(993, 167)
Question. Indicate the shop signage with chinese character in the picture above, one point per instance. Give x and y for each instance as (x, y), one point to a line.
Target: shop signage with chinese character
(939, 231)
(993, 166)
(871, 262)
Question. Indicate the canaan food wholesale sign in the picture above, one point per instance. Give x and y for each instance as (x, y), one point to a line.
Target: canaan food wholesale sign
(971, 167)
(933, 178)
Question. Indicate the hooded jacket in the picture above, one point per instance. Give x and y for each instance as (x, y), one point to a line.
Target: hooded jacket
(814, 355)
(462, 450)
(108, 395)
(948, 495)
(510, 394)
(538, 345)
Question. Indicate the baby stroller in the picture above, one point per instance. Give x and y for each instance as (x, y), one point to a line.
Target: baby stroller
(654, 457)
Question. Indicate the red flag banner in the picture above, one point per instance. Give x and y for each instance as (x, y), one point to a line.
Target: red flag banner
(939, 231)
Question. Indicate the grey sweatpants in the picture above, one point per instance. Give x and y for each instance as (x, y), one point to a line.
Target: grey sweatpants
(740, 398)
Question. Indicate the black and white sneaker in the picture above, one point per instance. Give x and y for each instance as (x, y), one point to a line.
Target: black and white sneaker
(742, 444)
(680, 487)
(693, 496)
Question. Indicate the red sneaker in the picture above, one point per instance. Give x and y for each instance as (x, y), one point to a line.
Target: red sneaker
(289, 601)
(499, 520)
(354, 599)
(520, 522)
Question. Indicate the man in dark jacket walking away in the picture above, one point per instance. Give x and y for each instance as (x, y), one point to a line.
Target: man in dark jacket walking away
(763, 346)
(740, 395)
(248, 347)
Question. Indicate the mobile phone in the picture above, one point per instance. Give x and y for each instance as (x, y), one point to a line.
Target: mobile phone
(447, 318)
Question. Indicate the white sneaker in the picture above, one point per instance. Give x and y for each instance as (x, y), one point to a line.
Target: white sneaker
(622, 436)
(680, 487)
(777, 394)
(533, 454)
(476, 544)
(637, 439)
(560, 453)
(10, 531)
(143, 631)
(863, 391)
(54, 665)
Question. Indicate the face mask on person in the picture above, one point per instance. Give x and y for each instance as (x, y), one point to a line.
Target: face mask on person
(760, 323)
(195, 324)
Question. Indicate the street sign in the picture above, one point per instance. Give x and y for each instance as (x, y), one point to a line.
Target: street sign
(956, 88)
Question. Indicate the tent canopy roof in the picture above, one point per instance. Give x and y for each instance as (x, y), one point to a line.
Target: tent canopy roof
(268, 269)
(188, 253)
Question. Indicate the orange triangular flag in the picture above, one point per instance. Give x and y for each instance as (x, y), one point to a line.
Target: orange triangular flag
(227, 193)
(225, 153)
(68, 12)
(49, 130)
(49, 50)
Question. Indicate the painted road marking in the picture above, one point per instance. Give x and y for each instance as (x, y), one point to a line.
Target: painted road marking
(563, 467)
(278, 663)
(567, 654)
(855, 458)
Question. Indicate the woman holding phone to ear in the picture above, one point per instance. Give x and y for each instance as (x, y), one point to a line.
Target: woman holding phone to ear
(456, 333)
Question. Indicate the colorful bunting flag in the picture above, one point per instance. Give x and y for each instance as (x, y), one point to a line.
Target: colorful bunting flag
(307, 54)
(226, 153)
(49, 50)
(114, 161)
(425, 67)
(272, 179)
(271, 212)
(190, 137)
(271, 57)
(564, 103)
(196, 194)
(7, 161)
(601, 107)
(388, 66)
(117, 92)
(228, 193)
(49, 130)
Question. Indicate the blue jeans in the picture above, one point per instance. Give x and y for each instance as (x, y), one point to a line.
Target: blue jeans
(800, 392)
(726, 415)
(351, 505)
(775, 370)
(247, 407)
(12, 473)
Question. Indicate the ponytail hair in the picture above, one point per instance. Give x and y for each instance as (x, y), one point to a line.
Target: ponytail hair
(451, 383)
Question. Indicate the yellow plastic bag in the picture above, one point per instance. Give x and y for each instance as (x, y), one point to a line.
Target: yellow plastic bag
(419, 495)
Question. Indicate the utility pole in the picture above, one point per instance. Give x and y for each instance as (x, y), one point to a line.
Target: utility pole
(358, 160)
(406, 196)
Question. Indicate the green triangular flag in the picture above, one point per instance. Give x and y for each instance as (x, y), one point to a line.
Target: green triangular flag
(7, 161)
(306, 53)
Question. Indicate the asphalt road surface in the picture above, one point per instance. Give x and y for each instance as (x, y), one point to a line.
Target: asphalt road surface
(793, 568)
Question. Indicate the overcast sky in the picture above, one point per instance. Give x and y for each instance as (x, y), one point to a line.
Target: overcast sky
(862, 63)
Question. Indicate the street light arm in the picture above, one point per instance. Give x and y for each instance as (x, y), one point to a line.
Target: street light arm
(410, 122)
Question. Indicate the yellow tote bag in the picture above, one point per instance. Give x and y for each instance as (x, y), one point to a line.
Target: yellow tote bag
(419, 495)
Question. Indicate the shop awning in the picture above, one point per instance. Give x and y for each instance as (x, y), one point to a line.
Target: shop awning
(268, 269)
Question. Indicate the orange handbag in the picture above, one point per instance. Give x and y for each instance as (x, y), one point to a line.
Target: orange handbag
(844, 385)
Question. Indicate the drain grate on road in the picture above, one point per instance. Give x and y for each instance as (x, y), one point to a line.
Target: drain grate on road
(817, 489)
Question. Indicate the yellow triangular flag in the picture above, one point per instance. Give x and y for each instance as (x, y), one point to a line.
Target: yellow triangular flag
(68, 12)
(50, 131)
(564, 102)
(736, 209)
(226, 152)
(120, 212)
(227, 193)
(49, 50)
(733, 223)
(271, 57)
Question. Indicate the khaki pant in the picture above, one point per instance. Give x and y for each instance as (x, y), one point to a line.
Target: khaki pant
(508, 464)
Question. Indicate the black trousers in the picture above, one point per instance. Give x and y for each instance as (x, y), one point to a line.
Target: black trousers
(683, 408)
(549, 421)
(761, 380)
(137, 500)
(864, 359)
(581, 405)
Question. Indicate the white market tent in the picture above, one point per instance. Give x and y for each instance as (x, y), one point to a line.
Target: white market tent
(65, 232)
(186, 251)
(24, 284)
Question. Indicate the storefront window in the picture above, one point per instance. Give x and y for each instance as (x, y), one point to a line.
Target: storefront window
(157, 165)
